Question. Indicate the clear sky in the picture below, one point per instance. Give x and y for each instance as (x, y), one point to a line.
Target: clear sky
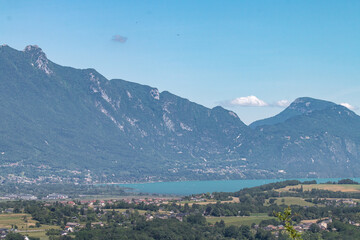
(244, 55)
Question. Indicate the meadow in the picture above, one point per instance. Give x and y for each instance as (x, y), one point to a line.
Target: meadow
(330, 187)
(25, 225)
(241, 220)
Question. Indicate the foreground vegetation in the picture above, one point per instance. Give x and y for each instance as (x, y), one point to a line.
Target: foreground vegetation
(247, 214)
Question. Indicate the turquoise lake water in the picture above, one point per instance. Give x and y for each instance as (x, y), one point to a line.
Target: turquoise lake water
(194, 187)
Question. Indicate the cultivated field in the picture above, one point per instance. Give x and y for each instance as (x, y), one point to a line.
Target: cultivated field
(238, 221)
(291, 201)
(124, 210)
(19, 219)
(207, 201)
(330, 187)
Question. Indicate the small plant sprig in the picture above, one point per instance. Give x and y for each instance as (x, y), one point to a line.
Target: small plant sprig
(289, 227)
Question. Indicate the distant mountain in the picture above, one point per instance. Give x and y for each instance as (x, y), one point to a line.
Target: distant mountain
(63, 118)
(60, 124)
(300, 106)
(321, 142)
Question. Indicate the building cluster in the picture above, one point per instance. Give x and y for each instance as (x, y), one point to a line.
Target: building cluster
(55, 196)
(3, 233)
(301, 227)
(18, 197)
(102, 203)
(341, 202)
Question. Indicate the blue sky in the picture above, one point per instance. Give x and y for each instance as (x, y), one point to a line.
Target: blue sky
(211, 52)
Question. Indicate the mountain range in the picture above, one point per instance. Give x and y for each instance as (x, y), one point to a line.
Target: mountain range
(64, 124)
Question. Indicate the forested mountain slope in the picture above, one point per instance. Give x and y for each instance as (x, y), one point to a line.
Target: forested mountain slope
(64, 124)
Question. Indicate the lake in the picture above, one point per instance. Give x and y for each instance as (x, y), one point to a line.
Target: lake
(195, 187)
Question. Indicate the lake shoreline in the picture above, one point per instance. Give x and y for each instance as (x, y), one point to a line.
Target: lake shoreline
(182, 188)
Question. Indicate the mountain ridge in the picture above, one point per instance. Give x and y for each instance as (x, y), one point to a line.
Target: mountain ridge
(74, 125)
(298, 107)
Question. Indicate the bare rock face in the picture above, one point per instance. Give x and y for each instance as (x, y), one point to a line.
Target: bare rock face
(39, 58)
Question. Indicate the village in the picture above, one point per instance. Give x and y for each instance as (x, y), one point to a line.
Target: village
(97, 213)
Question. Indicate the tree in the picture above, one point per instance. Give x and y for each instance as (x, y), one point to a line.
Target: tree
(16, 209)
(272, 200)
(347, 181)
(196, 219)
(231, 232)
(88, 225)
(186, 207)
(14, 236)
(245, 231)
(65, 237)
(263, 235)
(53, 232)
(289, 227)
(314, 228)
(220, 224)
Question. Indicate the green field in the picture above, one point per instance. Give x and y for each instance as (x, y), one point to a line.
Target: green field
(238, 221)
(196, 202)
(6, 220)
(18, 219)
(330, 187)
(39, 234)
(209, 201)
(291, 201)
(124, 210)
